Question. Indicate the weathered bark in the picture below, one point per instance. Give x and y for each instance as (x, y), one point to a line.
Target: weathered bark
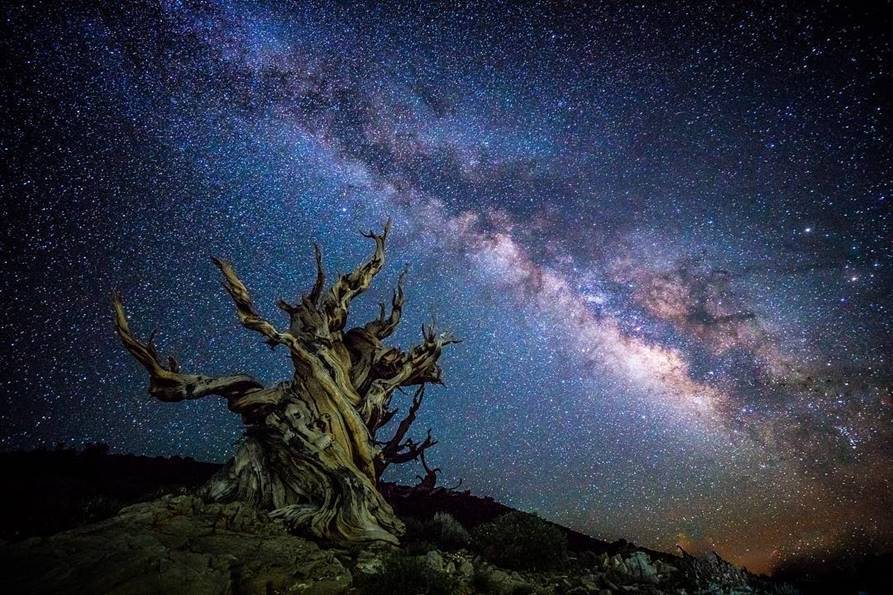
(309, 454)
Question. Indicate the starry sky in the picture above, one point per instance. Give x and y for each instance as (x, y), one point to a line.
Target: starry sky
(662, 232)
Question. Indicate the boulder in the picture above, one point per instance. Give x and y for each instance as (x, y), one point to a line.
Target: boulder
(434, 561)
(589, 582)
(369, 562)
(617, 566)
(640, 568)
(502, 583)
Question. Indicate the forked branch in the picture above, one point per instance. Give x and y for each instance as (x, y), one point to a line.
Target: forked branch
(352, 284)
(166, 382)
(383, 327)
(399, 449)
(429, 482)
(394, 368)
(419, 365)
(248, 315)
(411, 450)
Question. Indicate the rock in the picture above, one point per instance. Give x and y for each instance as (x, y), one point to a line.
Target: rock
(174, 545)
(502, 583)
(664, 569)
(369, 563)
(640, 568)
(617, 565)
(434, 561)
(712, 573)
(589, 582)
(499, 576)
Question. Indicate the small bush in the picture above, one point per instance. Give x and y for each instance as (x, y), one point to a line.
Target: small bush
(521, 541)
(442, 530)
(448, 532)
(408, 574)
(414, 527)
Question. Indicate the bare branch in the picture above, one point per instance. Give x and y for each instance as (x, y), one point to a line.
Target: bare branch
(352, 284)
(394, 443)
(419, 365)
(311, 300)
(397, 450)
(410, 450)
(394, 368)
(248, 315)
(320, 283)
(166, 382)
(258, 399)
(383, 327)
(429, 482)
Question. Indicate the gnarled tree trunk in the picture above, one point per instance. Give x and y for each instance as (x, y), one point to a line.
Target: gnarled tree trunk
(310, 454)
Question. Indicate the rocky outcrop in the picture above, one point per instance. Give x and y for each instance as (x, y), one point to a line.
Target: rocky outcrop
(635, 572)
(181, 544)
(177, 544)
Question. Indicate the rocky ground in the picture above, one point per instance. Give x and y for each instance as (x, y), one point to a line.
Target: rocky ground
(94, 522)
(180, 544)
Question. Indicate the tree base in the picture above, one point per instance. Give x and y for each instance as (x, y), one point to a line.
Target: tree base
(298, 486)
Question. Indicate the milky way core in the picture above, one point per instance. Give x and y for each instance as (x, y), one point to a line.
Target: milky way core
(662, 232)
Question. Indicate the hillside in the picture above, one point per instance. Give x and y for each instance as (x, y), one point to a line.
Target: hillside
(99, 522)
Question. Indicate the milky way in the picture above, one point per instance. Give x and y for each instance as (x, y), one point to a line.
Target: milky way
(662, 233)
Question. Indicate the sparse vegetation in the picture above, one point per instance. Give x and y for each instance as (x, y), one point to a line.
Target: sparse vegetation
(442, 530)
(408, 574)
(522, 541)
(63, 488)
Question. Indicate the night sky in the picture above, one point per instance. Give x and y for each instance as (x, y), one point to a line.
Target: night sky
(662, 232)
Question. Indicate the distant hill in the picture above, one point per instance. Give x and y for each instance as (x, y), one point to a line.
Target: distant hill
(55, 490)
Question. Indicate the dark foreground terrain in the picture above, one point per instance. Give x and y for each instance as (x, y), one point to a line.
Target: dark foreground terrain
(92, 522)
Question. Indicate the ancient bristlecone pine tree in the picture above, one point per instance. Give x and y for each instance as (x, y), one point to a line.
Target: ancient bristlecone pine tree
(310, 454)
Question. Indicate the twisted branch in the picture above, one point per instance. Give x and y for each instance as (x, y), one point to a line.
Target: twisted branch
(383, 327)
(248, 315)
(352, 284)
(397, 450)
(166, 382)
(429, 482)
